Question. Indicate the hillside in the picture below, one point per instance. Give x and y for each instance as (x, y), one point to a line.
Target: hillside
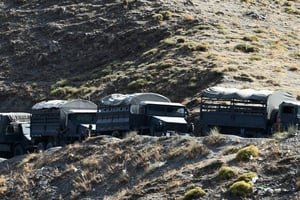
(88, 49)
(145, 168)
(76, 49)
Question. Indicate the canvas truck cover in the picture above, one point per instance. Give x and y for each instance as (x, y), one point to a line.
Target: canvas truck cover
(17, 116)
(66, 105)
(132, 99)
(234, 93)
(272, 98)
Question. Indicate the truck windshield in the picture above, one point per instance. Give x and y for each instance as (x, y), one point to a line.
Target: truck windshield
(162, 110)
(84, 118)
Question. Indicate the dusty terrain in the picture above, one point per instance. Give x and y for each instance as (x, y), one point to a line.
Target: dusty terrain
(76, 49)
(88, 49)
(143, 167)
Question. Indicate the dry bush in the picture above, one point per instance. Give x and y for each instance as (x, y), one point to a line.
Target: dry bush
(83, 183)
(119, 195)
(195, 149)
(214, 137)
(231, 150)
(3, 187)
(91, 162)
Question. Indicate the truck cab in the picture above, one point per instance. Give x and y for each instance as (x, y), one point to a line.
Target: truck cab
(289, 114)
(146, 113)
(60, 122)
(167, 118)
(15, 134)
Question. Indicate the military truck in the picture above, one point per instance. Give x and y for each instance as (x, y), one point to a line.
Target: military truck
(60, 122)
(14, 134)
(247, 112)
(147, 113)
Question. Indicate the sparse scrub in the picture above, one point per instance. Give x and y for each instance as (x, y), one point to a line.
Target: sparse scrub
(250, 38)
(195, 46)
(162, 15)
(60, 83)
(247, 177)
(3, 187)
(137, 83)
(195, 149)
(214, 137)
(247, 153)
(195, 193)
(151, 52)
(226, 173)
(246, 48)
(230, 150)
(240, 188)
(256, 57)
(229, 69)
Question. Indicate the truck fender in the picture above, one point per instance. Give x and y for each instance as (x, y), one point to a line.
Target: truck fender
(18, 149)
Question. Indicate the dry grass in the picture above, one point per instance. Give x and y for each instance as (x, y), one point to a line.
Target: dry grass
(3, 187)
(214, 137)
(195, 149)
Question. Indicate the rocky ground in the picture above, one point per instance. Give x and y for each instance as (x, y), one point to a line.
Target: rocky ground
(88, 49)
(143, 167)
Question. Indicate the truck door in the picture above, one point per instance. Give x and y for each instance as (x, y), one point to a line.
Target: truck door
(288, 116)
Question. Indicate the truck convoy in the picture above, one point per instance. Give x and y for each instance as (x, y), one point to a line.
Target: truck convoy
(247, 112)
(147, 113)
(14, 134)
(60, 122)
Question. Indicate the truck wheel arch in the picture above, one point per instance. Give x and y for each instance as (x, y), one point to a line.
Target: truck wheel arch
(18, 149)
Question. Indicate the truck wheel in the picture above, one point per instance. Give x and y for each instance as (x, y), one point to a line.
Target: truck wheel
(19, 150)
(49, 145)
(40, 146)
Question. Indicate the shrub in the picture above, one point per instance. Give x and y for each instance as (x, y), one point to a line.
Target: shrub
(195, 149)
(240, 188)
(162, 15)
(158, 17)
(214, 137)
(150, 52)
(195, 46)
(250, 38)
(226, 173)
(60, 83)
(247, 153)
(166, 14)
(197, 192)
(246, 48)
(137, 84)
(247, 177)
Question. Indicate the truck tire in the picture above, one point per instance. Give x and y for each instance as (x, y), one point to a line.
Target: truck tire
(18, 150)
(40, 146)
(49, 145)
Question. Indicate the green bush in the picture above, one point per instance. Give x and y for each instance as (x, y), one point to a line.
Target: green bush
(60, 83)
(226, 173)
(247, 177)
(240, 188)
(247, 152)
(137, 84)
(195, 193)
